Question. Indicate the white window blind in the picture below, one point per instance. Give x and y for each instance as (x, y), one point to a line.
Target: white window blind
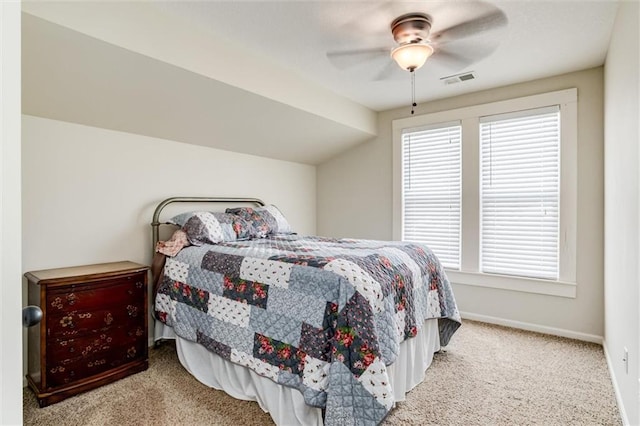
(520, 193)
(431, 161)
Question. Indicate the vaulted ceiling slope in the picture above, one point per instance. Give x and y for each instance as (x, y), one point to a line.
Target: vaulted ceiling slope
(120, 66)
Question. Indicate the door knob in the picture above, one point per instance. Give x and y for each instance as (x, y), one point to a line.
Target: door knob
(31, 315)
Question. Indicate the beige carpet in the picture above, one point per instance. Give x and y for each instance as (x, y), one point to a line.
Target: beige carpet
(489, 375)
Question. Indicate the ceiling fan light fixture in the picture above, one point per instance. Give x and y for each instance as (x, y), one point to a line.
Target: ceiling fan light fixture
(411, 56)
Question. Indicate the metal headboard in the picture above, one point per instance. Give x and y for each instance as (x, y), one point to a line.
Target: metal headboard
(155, 224)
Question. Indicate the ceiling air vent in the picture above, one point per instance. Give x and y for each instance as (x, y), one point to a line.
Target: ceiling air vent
(457, 78)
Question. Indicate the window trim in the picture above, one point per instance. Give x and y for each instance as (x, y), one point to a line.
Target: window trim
(469, 273)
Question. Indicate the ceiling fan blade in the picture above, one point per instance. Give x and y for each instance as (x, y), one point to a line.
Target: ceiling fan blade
(374, 11)
(457, 56)
(347, 58)
(451, 60)
(490, 21)
(387, 71)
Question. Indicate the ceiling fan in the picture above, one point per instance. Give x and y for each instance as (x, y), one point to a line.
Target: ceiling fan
(416, 43)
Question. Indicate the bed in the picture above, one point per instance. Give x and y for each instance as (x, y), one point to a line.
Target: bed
(316, 330)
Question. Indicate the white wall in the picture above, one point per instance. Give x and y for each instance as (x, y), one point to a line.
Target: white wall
(89, 193)
(10, 270)
(622, 207)
(355, 199)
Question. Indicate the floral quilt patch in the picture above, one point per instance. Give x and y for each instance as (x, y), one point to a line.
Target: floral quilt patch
(244, 291)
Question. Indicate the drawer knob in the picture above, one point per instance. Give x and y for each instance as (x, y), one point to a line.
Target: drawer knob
(67, 321)
(57, 303)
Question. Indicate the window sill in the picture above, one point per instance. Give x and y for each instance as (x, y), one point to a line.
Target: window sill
(503, 282)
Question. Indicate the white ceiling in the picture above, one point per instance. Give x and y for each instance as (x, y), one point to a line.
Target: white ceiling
(253, 77)
(541, 39)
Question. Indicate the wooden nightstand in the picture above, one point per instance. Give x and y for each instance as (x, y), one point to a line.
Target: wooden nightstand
(93, 330)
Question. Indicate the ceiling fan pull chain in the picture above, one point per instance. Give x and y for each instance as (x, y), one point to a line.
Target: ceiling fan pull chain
(413, 91)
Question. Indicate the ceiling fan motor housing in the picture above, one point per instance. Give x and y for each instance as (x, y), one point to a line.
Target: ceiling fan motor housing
(411, 28)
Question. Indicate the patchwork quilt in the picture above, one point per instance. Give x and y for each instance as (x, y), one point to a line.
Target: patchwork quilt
(324, 316)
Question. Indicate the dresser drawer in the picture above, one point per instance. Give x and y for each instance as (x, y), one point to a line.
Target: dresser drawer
(86, 345)
(80, 323)
(67, 370)
(88, 297)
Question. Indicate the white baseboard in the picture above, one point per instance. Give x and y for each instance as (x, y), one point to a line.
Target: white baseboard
(616, 389)
(533, 327)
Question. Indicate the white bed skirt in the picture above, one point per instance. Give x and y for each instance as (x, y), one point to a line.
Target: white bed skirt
(286, 405)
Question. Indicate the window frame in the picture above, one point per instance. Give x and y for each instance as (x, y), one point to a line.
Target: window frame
(469, 273)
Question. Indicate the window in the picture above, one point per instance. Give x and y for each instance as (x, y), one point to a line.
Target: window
(520, 192)
(431, 189)
(492, 189)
